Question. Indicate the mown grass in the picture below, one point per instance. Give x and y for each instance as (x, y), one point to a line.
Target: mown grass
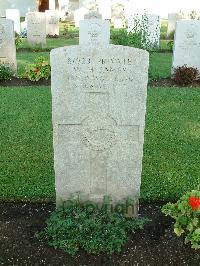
(171, 151)
(160, 65)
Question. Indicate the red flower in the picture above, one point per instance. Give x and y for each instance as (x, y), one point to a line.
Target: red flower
(194, 202)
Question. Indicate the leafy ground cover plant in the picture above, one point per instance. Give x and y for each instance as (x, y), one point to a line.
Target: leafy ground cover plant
(18, 40)
(39, 70)
(97, 230)
(186, 213)
(185, 75)
(6, 72)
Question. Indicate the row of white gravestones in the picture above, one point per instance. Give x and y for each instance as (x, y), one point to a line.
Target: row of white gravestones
(172, 19)
(14, 15)
(187, 44)
(99, 103)
(7, 44)
(41, 24)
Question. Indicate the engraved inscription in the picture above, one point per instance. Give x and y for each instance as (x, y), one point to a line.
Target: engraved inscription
(99, 133)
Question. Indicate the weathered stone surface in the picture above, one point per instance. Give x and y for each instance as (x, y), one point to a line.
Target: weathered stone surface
(14, 15)
(187, 44)
(172, 19)
(152, 30)
(36, 28)
(94, 31)
(99, 104)
(52, 22)
(7, 43)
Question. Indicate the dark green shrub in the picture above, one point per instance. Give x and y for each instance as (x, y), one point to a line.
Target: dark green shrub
(170, 36)
(6, 73)
(39, 70)
(97, 230)
(186, 213)
(170, 45)
(184, 75)
(18, 40)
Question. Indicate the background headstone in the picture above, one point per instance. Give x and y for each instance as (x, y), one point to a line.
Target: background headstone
(152, 24)
(172, 19)
(52, 22)
(99, 104)
(94, 30)
(187, 44)
(7, 44)
(36, 28)
(14, 15)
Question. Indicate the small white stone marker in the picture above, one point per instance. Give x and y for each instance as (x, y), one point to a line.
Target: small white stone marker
(36, 28)
(94, 30)
(52, 22)
(7, 44)
(14, 15)
(98, 107)
(187, 44)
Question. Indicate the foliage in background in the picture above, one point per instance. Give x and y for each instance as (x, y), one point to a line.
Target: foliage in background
(171, 35)
(170, 45)
(137, 36)
(18, 40)
(6, 72)
(185, 75)
(39, 70)
(97, 230)
(69, 32)
(186, 213)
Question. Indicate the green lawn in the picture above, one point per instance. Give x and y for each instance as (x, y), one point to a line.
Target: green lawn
(171, 151)
(160, 65)
(52, 42)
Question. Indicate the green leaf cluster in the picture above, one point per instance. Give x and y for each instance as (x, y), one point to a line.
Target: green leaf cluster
(6, 72)
(39, 70)
(187, 220)
(96, 230)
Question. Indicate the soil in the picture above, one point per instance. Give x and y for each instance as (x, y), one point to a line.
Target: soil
(15, 82)
(156, 245)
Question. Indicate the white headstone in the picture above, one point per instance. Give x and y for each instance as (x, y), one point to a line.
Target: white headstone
(187, 44)
(172, 19)
(52, 22)
(14, 15)
(152, 23)
(36, 28)
(99, 104)
(94, 30)
(7, 44)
